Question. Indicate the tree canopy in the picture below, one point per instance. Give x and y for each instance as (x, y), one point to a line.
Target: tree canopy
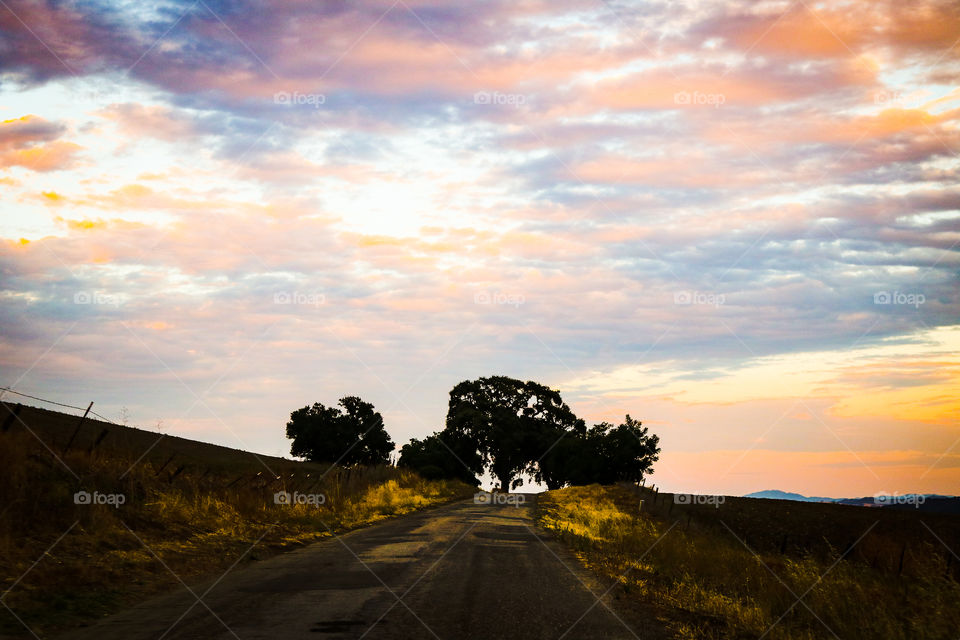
(442, 455)
(509, 427)
(501, 425)
(352, 434)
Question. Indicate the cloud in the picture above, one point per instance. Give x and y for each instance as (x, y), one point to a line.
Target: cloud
(136, 120)
(835, 30)
(671, 207)
(33, 142)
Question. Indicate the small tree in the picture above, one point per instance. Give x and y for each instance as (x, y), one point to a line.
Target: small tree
(622, 454)
(604, 454)
(442, 456)
(353, 435)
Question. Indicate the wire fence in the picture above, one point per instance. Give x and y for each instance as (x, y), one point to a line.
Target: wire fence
(54, 402)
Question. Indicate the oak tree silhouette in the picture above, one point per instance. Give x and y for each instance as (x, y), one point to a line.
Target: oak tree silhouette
(352, 435)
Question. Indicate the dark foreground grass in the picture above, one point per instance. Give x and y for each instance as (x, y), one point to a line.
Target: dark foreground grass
(746, 578)
(63, 564)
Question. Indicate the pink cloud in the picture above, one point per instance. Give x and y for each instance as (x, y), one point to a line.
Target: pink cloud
(155, 121)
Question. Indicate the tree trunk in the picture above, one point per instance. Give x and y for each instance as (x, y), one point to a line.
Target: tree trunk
(504, 482)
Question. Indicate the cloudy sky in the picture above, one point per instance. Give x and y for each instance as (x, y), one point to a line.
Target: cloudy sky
(737, 221)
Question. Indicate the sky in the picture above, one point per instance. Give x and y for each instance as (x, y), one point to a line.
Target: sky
(736, 221)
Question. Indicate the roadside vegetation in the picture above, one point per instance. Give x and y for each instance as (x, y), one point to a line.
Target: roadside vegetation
(163, 518)
(748, 568)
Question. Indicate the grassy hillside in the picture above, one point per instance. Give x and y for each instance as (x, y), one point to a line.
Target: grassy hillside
(170, 509)
(56, 429)
(752, 568)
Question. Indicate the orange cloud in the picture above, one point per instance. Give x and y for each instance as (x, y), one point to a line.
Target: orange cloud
(31, 142)
(86, 225)
(903, 389)
(44, 157)
(700, 90)
(844, 30)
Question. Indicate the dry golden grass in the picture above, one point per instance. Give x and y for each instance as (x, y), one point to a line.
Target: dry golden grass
(196, 522)
(707, 584)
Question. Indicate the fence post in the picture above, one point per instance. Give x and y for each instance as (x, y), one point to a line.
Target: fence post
(96, 443)
(164, 465)
(176, 473)
(13, 416)
(77, 430)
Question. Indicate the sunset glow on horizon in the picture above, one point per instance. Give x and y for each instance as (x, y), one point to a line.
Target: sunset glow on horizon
(736, 221)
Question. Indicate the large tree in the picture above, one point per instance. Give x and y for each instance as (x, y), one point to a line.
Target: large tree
(352, 435)
(509, 427)
(509, 422)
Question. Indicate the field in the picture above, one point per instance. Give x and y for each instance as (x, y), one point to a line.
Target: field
(751, 568)
(170, 509)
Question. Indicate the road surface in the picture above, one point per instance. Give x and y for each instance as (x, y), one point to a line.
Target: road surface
(460, 571)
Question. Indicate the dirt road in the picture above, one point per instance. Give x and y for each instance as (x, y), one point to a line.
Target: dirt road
(460, 571)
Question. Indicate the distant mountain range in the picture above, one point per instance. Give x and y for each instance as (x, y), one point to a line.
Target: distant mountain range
(776, 494)
(929, 501)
